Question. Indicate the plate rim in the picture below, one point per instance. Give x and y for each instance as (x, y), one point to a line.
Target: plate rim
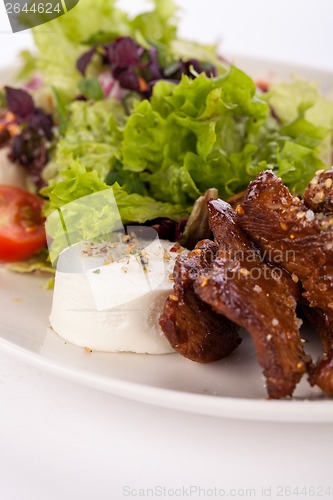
(263, 410)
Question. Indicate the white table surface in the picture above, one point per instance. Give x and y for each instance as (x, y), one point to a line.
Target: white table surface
(62, 441)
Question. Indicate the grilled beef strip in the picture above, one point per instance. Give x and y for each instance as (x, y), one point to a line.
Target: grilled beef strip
(293, 235)
(321, 373)
(257, 296)
(319, 194)
(191, 326)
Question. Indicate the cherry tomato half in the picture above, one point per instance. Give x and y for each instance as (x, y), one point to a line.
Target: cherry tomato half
(22, 230)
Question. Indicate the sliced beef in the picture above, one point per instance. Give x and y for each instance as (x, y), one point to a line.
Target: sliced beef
(319, 197)
(322, 323)
(319, 194)
(291, 234)
(259, 297)
(191, 326)
(321, 373)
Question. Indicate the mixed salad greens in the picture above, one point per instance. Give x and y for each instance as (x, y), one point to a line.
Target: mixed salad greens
(122, 102)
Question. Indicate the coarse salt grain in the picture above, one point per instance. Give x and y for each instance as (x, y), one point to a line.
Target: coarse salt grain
(310, 216)
(319, 197)
(298, 322)
(275, 322)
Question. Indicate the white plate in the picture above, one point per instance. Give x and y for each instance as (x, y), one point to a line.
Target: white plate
(232, 388)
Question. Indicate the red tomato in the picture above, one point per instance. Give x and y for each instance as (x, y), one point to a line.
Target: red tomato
(22, 230)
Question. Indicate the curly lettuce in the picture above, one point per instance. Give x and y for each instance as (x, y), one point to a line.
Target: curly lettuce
(192, 136)
(70, 195)
(92, 134)
(206, 133)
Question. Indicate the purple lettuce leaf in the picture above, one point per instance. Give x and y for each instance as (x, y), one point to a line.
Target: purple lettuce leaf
(124, 53)
(84, 61)
(137, 68)
(41, 121)
(29, 150)
(19, 102)
(29, 147)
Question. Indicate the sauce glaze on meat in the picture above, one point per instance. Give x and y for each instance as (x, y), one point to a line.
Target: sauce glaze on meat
(191, 326)
(273, 252)
(301, 239)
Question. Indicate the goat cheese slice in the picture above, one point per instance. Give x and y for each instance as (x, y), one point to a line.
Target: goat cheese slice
(109, 299)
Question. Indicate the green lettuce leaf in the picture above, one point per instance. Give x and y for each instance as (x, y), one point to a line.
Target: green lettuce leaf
(29, 65)
(92, 135)
(135, 208)
(206, 133)
(67, 195)
(39, 263)
(301, 99)
(288, 99)
(75, 182)
(91, 89)
(2, 99)
(158, 27)
(194, 136)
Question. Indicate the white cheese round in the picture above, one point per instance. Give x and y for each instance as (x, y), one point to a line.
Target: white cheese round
(107, 300)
